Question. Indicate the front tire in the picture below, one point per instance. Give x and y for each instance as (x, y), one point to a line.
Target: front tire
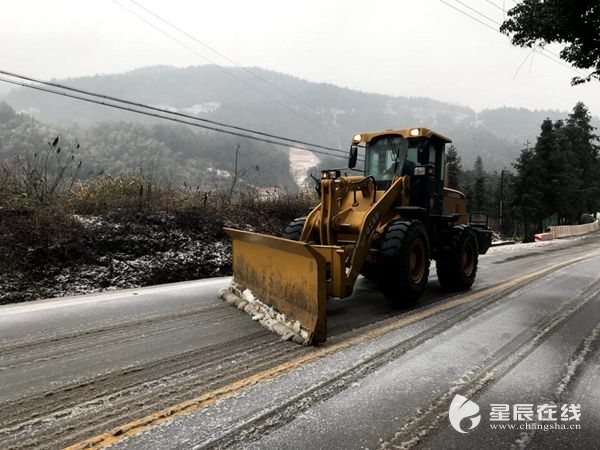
(403, 260)
(294, 229)
(457, 266)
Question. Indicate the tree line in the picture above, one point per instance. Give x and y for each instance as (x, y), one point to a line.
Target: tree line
(554, 181)
(175, 154)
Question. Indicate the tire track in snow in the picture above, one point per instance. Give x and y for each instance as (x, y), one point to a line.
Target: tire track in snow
(475, 381)
(99, 403)
(589, 346)
(269, 420)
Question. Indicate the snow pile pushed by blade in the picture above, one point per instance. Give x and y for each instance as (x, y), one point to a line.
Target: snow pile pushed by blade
(265, 315)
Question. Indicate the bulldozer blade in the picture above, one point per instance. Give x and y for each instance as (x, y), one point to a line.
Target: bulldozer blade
(287, 275)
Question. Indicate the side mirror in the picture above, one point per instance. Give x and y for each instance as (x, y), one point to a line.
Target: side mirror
(353, 157)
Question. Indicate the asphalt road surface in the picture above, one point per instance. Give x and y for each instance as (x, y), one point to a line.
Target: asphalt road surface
(174, 367)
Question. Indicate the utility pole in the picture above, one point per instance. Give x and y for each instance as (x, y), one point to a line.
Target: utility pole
(235, 172)
(501, 196)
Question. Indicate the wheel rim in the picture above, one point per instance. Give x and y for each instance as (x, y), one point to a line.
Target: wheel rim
(416, 261)
(468, 258)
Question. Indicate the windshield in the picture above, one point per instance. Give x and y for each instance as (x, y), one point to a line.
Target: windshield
(386, 157)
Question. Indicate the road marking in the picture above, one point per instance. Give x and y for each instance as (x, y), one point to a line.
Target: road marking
(137, 426)
(64, 302)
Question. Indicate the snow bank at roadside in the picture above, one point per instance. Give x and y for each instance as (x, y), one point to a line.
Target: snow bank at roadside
(517, 248)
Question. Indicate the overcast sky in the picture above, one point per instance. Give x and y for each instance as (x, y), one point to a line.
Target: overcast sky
(420, 48)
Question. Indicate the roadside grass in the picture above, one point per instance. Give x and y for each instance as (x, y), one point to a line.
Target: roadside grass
(60, 234)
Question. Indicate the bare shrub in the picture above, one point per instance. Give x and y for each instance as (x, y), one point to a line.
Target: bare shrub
(49, 174)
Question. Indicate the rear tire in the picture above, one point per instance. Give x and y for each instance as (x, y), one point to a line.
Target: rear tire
(457, 267)
(403, 261)
(294, 229)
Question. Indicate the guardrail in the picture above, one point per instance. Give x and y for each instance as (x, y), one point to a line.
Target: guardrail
(561, 231)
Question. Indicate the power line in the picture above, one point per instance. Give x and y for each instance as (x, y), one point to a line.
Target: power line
(541, 50)
(469, 15)
(212, 49)
(161, 110)
(496, 22)
(477, 12)
(538, 46)
(499, 24)
(251, 86)
(531, 53)
(497, 6)
(160, 116)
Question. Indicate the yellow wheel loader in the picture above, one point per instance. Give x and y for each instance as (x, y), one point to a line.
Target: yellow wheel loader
(385, 223)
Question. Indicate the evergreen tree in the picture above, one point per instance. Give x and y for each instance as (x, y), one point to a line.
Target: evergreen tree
(454, 168)
(562, 196)
(509, 219)
(561, 174)
(527, 190)
(480, 200)
(584, 160)
(547, 162)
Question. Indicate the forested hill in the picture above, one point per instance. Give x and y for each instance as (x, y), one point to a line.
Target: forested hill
(292, 107)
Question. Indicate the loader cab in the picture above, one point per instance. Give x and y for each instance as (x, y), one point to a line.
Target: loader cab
(418, 153)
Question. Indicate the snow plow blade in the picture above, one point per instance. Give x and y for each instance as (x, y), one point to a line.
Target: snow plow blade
(288, 276)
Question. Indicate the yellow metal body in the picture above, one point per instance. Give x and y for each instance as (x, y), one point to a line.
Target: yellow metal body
(296, 278)
(454, 202)
(339, 236)
(343, 226)
(406, 133)
(287, 275)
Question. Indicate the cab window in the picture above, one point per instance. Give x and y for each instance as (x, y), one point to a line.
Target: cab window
(385, 157)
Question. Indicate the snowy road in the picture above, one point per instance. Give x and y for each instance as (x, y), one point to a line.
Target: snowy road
(173, 367)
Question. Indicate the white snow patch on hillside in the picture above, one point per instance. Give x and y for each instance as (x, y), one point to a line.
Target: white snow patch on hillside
(300, 162)
(165, 107)
(198, 108)
(206, 107)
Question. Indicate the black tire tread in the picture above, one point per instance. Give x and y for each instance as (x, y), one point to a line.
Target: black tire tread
(448, 265)
(392, 270)
(294, 229)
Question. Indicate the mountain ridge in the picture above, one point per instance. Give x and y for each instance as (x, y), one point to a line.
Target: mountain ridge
(290, 106)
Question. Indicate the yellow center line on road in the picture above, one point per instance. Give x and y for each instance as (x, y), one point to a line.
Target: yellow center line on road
(137, 426)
